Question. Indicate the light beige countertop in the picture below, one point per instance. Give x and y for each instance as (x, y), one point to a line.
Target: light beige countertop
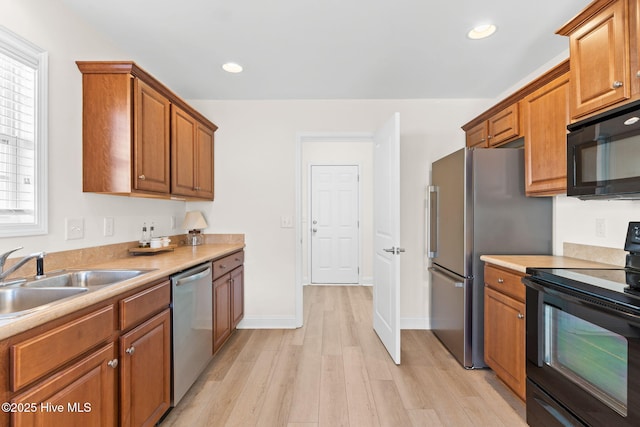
(521, 262)
(163, 264)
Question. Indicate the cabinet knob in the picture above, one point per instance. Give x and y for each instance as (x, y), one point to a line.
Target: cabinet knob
(500, 280)
(637, 73)
(113, 363)
(520, 316)
(223, 266)
(617, 84)
(488, 136)
(142, 177)
(130, 350)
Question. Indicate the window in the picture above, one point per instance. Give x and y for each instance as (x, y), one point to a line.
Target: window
(23, 136)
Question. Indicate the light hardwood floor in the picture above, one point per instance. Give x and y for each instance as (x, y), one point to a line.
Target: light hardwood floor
(334, 371)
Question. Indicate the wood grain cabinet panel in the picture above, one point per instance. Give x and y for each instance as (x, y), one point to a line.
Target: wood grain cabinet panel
(477, 135)
(599, 44)
(504, 339)
(145, 382)
(546, 116)
(140, 306)
(139, 138)
(222, 326)
(237, 296)
(504, 126)
(81, 395)
(504, 326)
(192, 156)
(151, 141)
(33, 358)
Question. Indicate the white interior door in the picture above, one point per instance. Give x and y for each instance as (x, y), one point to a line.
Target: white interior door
(334, 224)
(386, 219)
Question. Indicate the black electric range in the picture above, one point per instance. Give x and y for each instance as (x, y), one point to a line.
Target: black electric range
(583, 343)
(620, 286)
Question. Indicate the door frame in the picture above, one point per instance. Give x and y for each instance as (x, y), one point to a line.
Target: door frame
(309, 206)
(301, 138)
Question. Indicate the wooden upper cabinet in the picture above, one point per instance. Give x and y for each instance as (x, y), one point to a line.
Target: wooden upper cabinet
(494, 128)
(545, 117)
(599, 45)
(192, 156)
(477, 135)
(129, 136)
(151, 139)
(504, 126)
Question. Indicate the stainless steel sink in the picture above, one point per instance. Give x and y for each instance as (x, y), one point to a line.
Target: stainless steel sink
(18, 301)
(83, 278)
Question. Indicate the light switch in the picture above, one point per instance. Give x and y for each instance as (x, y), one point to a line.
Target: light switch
(286, 222)
(108, 226)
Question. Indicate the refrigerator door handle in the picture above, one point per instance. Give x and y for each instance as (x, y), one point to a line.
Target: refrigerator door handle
(456, 282)
(432, 226)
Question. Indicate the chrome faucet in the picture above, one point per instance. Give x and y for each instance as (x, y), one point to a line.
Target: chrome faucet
(39, 256)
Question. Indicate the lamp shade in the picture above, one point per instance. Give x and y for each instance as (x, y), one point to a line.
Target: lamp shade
(194, 220)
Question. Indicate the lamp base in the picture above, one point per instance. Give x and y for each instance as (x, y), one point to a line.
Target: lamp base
(194, 238)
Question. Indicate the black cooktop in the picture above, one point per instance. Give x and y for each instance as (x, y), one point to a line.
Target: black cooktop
(619, 286)
(616, 285)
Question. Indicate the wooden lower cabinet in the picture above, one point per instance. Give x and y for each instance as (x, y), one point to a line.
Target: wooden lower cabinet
(221, 311)
(81, 395)
(145, 373)
(237, 296)
(504, 328)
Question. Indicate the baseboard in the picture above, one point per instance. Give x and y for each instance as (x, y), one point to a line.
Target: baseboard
(267, 322)
(415, 323)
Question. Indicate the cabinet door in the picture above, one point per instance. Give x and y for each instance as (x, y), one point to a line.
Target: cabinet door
(237, 296)
(221, 311)
(204, 162)
(183, 152)
(81, 395)
(504, 339)
(546, 115)
(477, 136)
(151, 139)
(504, 126)
(145, 383)
(599, 61)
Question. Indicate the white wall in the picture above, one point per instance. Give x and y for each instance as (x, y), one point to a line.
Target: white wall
(49, 25)
(575, 221)
(255, 185)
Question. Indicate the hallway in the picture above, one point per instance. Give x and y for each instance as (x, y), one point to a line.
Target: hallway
(334, 371)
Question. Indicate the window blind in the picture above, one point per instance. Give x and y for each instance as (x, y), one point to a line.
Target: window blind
(17, 141)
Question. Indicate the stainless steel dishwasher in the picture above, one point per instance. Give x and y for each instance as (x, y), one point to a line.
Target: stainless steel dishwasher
(192, 327)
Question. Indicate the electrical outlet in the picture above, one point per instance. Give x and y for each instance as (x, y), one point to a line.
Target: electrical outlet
(108, 226)
(74, 228)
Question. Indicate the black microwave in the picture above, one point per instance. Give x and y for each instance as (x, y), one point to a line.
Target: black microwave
(603, 155)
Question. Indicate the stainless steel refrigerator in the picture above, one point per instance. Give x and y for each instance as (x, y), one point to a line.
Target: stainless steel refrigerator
(477, 205)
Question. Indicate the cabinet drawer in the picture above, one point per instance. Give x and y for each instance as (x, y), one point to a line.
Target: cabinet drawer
(507, 282)
(140, 306)
(42, 354)
(228, 263)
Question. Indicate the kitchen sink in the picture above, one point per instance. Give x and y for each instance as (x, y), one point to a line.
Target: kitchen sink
(83, 278)
(18, 301)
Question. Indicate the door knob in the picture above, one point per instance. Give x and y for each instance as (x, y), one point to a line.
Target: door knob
(142, 177)
(113, 363)
(617, 84)
(130, 350)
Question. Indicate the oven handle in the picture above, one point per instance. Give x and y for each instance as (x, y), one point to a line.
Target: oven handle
(607, 308)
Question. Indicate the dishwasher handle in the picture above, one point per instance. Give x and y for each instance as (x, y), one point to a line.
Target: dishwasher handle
(179, 281)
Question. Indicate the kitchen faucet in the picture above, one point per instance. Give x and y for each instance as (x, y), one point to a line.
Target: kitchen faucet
(39, 264)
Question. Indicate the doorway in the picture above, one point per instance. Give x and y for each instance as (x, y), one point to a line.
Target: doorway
(335, 222)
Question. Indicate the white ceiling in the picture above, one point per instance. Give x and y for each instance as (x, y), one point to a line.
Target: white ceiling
(333, 49)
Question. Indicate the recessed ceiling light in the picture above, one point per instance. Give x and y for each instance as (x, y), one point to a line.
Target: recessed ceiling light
(481, 31)
(232, 67)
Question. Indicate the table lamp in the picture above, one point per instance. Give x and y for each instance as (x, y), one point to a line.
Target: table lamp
(194, 222)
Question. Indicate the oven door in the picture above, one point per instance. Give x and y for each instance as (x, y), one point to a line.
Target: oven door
(584, 355)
